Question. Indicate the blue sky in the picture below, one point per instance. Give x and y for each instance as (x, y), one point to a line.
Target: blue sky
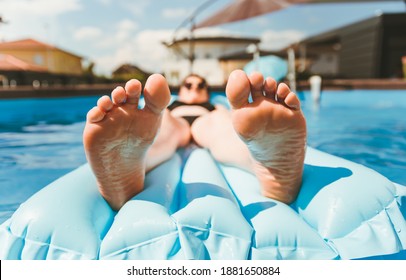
(112, 32)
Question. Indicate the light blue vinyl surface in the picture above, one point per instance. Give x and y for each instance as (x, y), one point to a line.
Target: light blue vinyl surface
(195, 208)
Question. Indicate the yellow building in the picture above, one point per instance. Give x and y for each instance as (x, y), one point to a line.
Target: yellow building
(55, 60)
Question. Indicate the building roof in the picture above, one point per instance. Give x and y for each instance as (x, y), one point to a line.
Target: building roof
(31, 45)
(246, 55)
(129, 68)
(11, 63)
(216, 39)
(332, 36)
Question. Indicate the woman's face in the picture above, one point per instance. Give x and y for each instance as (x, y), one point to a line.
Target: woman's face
(193, 90)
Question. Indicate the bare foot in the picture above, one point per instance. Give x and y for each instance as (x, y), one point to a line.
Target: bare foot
(273, 128)
(118, 135)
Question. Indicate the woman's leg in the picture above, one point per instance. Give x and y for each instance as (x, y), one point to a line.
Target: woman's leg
(268, 135)
(122, 142)
(173, 134)
(215, 132)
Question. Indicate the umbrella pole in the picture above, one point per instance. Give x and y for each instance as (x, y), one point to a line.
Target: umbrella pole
(254, 50)
(256, 59)
(191, 48)
(291, 70)
(191, 19)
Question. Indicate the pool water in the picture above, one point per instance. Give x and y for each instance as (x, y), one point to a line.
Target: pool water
(367, 127)
(41, 139)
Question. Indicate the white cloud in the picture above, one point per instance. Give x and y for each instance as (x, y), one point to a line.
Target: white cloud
(87, 33)
(145, 50)
(122, 32)
(137, 7)
(151, 51)
(175, 13)
(28, 17)
(105, 2)
(276, 40)
(33, 8)
(125, 29)
(205, 32)
(216, 31)
(127, 24)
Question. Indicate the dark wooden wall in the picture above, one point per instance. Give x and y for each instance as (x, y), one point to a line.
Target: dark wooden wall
(359, 49)
(393, 45)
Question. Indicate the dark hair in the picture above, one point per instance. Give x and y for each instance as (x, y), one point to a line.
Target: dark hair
(199, 77)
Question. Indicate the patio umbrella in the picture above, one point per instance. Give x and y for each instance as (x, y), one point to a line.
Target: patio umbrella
(244, 9)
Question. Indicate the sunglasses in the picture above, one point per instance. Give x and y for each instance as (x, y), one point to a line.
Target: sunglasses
(201, 85)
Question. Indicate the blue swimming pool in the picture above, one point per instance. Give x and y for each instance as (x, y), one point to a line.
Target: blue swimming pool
(41, 139)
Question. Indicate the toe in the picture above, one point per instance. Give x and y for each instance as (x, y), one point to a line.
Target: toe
(104, 103)
(270, 88)
(257, 85)
(238, 89)
(292, 101)
(133, 90)
(156, 93)
(95, 115)
(281, 92)
(118, 95)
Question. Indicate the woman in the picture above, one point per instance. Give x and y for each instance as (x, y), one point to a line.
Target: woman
(193, 100)
(266, 137)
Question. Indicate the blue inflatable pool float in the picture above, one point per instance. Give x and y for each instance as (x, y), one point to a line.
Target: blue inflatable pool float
(195, 208)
